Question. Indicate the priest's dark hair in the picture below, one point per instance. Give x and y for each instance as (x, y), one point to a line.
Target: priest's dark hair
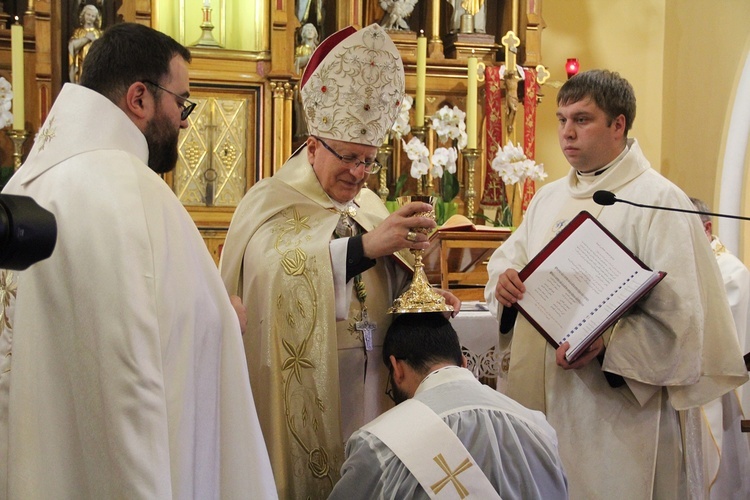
(422, 340)
(127, 53)
(609, 91)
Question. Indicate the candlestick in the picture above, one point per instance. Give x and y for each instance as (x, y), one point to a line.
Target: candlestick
(207, 38)
(471, 103)
(421, 79)
(514, 16)
(384, 155)
(471, 156)
(18, 137)
(16, 43)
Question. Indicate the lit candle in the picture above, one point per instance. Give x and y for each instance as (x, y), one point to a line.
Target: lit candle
(206, 4)
(16, 44)
(421, 79)
(471, 104)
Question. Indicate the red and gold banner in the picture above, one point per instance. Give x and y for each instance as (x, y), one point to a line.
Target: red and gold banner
(493, 194)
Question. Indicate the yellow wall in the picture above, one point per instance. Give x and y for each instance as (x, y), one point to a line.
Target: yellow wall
(615, 35)
(707, 41)
(683, 58)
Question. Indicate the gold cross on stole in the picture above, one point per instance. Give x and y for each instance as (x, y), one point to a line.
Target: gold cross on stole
(451, 476)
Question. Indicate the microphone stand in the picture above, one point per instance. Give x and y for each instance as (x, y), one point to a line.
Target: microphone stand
(671, 209)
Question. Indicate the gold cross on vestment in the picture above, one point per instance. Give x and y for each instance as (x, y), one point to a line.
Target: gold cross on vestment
(451, 476)
(47, 134)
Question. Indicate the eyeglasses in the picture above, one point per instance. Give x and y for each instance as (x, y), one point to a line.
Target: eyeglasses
(187, 105)
(371, 167)
(389, 387)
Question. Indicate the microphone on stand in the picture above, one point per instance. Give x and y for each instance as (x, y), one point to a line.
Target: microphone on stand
(606, 198)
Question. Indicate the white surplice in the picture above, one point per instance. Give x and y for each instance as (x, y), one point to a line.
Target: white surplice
(124, 374)
(514, 446)
(726, 450)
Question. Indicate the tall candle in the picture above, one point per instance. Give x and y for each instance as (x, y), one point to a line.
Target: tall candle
(421, 79)
(471, 104)
(16, 43)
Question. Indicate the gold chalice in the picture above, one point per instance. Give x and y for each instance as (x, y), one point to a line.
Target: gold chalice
(420, 296)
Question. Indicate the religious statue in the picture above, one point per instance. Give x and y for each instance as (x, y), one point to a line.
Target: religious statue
(89, 29)
(396, 11)
(308, 41)
(477, 8)
(303, 11)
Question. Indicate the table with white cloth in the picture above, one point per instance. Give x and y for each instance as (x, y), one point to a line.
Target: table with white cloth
(478, 333)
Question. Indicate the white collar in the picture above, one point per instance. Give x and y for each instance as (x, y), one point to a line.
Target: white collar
(443, 376)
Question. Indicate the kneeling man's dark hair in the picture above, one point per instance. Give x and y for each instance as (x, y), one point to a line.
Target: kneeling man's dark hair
(422, 339)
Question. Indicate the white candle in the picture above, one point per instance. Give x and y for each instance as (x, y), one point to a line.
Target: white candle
(421, 79)
(471, 104)
(206, 4)
(16, 44)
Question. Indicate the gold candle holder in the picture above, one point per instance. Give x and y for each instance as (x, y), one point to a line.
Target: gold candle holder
(207, 38)
(384, 155)
(471, 156)
(18, 137)
(420, 296)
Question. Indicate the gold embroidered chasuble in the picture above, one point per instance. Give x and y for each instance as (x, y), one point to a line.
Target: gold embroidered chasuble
(314, 388)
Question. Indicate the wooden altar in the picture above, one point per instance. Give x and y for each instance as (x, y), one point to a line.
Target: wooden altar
(457, 259)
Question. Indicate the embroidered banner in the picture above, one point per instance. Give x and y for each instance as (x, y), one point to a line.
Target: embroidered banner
(493, 194)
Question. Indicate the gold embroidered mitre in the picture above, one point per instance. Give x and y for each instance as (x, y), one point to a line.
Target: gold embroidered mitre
(353, 86)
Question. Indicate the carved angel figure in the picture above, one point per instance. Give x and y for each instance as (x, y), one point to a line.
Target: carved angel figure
(395, 13)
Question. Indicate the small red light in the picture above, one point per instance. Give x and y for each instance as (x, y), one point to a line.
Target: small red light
(572, 67)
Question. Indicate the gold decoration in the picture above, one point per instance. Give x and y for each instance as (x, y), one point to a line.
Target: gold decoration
(420, 297)
(18, 137)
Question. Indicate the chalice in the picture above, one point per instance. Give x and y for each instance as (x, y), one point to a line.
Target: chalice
(420, 297)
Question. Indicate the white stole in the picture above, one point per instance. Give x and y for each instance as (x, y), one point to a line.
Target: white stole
(432, 452)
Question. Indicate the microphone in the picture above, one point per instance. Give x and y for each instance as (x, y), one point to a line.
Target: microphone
(606, 198)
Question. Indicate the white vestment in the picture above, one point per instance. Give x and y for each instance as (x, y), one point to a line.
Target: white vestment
(676, 349)
(514, 446)
(726, 450)
(123, 373)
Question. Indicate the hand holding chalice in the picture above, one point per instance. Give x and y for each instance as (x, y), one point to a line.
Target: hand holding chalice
(420, 297)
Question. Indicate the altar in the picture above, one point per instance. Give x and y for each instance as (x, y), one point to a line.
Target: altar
(478, 332)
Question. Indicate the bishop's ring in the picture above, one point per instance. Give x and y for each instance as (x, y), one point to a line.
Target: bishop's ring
(411, 236)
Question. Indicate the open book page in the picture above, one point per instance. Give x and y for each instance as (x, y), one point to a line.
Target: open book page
(581, 283)
(460, 222)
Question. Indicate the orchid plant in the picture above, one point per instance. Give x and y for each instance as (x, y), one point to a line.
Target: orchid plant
(6, 100)
(450, 126)
(514, 168)
(400, 129)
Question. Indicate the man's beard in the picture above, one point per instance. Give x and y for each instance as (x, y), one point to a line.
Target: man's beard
(397, 394)
(162, 140)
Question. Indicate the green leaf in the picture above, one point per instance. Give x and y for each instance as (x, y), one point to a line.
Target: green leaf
(449, 186)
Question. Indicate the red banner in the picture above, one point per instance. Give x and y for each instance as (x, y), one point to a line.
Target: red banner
(493, 194)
